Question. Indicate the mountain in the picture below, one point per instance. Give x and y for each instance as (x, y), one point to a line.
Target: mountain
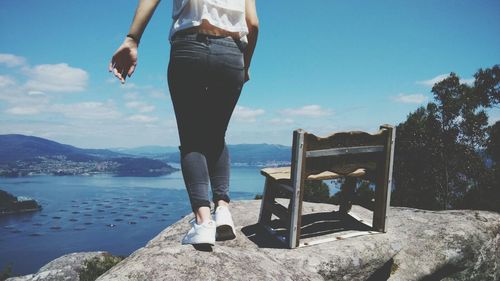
(148, 150)
(255, 153)
(248, 154)
(22, 155)
(15, 147)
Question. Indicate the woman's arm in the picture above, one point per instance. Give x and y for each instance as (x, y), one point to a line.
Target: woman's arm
(124, 60)
(253, 31)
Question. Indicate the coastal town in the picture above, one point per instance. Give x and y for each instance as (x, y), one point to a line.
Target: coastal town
(60, 165)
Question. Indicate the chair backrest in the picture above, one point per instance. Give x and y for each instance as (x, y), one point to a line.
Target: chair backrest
(343, 153)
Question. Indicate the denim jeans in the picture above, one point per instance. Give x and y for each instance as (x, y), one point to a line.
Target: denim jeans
(205, 78)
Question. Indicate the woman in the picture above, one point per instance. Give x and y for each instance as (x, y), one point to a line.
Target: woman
(212, 43)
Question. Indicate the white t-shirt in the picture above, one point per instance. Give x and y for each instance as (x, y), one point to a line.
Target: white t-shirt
(225, 14)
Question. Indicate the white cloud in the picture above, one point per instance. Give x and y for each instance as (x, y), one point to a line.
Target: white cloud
(158, 94)
(11, 60)
(247, 114)
(36, 93)
(410, 98)
(6, 81)
(128, 85)
(441, 77)
(469, 81)
(140, 106)
(307, 111)
(431, 82)
(17, 96)
(142, 118)
(56, 78)
(86, 110)
(24, 110)
(281, 121)
(106, 133)
(131, 96)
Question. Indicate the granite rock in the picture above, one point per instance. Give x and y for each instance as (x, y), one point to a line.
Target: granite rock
(419, 245)
(64, 268)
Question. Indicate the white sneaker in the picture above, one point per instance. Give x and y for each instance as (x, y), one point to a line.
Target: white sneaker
(225, 225)
(201, 233)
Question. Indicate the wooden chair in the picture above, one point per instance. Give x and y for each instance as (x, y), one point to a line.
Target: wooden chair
(346, 154)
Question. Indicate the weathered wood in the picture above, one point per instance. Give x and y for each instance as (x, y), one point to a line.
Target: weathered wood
(383, 182)
(345, 139)
(283, 173)
(279, 173)
(298, 173)
(279, 210)
(347, 154)
(267, 199)
(389, 169)
(344, 151)
(283, 186)
(344, 164)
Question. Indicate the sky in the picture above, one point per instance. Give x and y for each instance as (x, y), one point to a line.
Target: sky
(321, 65)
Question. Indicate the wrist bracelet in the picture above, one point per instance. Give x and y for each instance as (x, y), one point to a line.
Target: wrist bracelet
(133, 37)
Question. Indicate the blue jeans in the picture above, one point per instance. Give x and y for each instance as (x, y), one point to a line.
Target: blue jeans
(205, 78)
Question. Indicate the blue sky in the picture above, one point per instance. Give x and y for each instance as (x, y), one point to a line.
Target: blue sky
(320, 65)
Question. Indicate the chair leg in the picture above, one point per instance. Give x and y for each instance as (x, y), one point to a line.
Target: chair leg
(381, 204)
(267, 198)
(384, 182)
(347, 195)
(295, 212)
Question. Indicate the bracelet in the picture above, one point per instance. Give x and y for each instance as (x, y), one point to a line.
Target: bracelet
(133, 37)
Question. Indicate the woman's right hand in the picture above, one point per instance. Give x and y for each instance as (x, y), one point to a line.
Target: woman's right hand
(247, 75)
(124, 60)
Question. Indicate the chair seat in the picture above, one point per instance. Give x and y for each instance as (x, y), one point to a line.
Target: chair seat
(283, 173)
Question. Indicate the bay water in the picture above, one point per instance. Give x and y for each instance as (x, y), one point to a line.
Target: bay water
(98, 213)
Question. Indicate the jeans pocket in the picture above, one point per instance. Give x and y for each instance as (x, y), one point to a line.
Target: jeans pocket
(233, 61)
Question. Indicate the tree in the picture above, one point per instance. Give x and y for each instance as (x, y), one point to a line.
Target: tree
(316, 191)
(438, 163)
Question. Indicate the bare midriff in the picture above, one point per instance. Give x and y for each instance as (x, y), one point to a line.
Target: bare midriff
(209, 29)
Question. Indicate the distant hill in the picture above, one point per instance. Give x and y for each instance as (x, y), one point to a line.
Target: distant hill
(254, 153)
(22, 155)
(249, 154)
(149, 150)
(15, 147)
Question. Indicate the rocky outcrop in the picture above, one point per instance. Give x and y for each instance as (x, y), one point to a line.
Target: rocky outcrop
(419, 245)
(64, 268)
(10, 204)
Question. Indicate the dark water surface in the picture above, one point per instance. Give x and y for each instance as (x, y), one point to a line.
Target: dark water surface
(114, 214)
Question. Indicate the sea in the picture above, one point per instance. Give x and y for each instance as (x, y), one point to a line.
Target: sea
(98, 213)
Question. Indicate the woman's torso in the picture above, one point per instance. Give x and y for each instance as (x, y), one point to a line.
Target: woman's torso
(215, 17)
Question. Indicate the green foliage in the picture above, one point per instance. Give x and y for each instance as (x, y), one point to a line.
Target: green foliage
(438, 164)
(96, 266)
(364, 195)
(6, 272)
(6, 199)
(9, 204)
(316, 191)
(493, 144)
